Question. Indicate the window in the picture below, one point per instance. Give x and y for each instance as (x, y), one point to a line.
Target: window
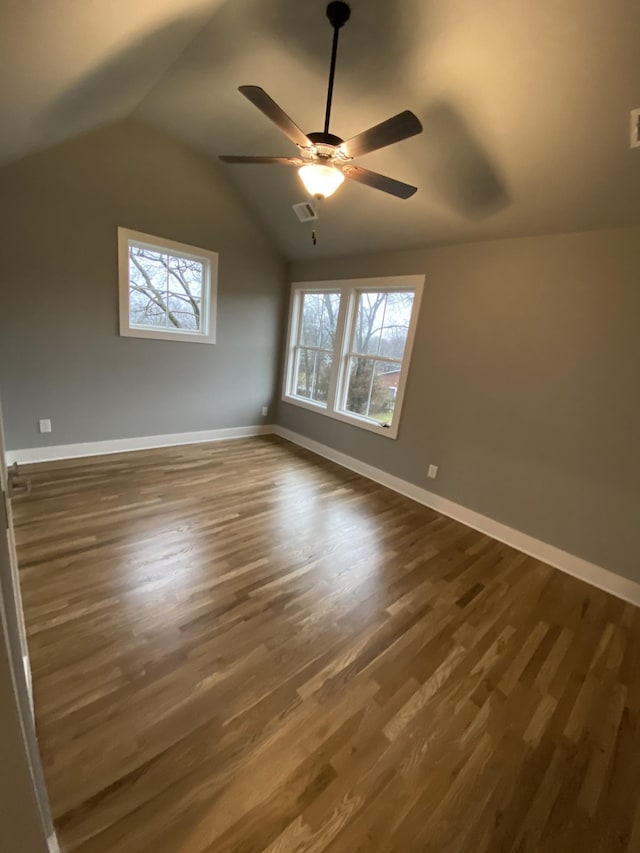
(167, 289)
(349, 348)
(315, 343)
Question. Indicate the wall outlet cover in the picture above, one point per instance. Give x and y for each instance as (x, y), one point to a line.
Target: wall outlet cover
(44, 425)
(432, 472)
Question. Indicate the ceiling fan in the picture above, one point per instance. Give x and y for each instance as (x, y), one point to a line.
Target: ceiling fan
(325, 159)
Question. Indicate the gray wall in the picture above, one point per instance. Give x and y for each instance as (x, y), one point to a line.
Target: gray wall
(524, 386)
(60, 353)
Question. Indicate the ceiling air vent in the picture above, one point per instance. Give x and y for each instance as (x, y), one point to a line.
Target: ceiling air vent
(305, 211)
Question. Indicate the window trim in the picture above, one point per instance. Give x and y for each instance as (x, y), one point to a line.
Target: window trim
(349, 289)
(209, 289)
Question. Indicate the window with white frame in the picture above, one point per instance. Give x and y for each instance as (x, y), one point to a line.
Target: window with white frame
(167, 289)
(313, 349)
(349, 348)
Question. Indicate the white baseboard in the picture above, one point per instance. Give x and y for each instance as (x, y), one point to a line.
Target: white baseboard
(123, 445)
(52, 843)
(595, 575)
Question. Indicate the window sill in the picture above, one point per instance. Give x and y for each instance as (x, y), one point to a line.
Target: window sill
(353, 420)
(159, 335)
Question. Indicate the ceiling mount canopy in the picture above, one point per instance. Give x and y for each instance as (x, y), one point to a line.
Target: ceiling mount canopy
(325, 159)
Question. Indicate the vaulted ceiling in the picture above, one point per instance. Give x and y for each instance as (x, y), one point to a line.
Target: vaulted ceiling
(525, 106)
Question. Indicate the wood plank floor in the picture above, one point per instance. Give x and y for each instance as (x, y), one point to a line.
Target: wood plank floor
(241, 647)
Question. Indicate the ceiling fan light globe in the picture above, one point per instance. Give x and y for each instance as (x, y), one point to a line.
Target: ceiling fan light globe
(319, 180)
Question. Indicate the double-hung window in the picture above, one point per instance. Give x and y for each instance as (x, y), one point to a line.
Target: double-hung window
(349, 348)
(167, 289)
(313, 350)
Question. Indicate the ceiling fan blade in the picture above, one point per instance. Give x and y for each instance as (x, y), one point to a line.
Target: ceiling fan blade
(282, 161)
(268, 106)
(379, 182)
(392, 130)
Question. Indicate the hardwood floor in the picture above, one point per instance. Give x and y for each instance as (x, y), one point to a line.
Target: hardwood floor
(241, 647)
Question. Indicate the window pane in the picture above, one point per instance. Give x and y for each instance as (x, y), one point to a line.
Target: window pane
(369, 319)
(312, 374)
(164, 291)
(184, 320)
(186, 276)
(184, 311)
(147, 288)
(382, 323)
(148, 318)
(147, 268)
(372, 388)
(319, 319)
(396, 324)
(145, 311)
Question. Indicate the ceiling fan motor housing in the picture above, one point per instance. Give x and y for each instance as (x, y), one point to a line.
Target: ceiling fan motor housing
(325, 144)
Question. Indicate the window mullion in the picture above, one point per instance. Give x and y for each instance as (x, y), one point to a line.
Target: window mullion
(348, 347)
(338, 346)
(373, 373)
(300, 318)
(384, 316)
(204, 308)
(314, 375)
(354, 303)
(294, 344)
(356, 296)
(166, 293)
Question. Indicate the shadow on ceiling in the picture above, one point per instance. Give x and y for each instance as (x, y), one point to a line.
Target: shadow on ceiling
(392, 32)
(458, 168)
(105, 94)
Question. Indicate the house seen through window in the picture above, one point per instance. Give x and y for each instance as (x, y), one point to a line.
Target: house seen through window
(376, 351)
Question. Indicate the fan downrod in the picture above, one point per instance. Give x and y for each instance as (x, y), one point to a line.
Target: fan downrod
(338, 14)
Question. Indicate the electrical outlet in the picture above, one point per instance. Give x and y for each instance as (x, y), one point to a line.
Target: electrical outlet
(265, 411)
(45, 425)
(432, 472)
